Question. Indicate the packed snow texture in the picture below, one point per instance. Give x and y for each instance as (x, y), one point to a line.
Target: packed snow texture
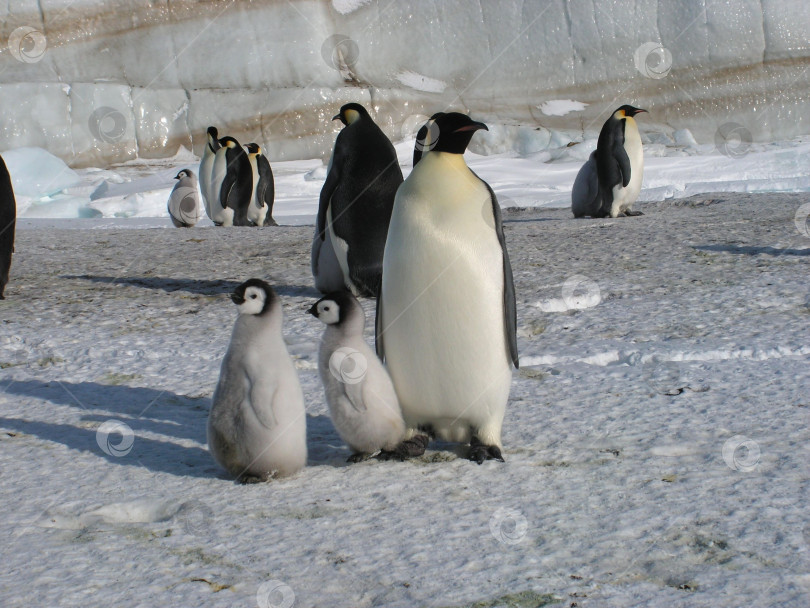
(99, 82)
(656, 438)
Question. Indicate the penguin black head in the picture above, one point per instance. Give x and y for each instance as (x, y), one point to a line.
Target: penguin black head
(254, 149)
(446, 132)
(228, 142)
(212, 131)
(213, 140)
(350, 113)
(254, 297)
(336, 308)
(627, 111)
(184, 173)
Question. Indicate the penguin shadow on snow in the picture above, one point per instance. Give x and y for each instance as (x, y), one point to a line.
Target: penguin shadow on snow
(197, 286)
(752, 250)
(142, 409)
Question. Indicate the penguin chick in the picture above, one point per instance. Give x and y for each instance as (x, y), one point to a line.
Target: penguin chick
(585, 193)
(362, 402)
(257, 423)
(184, 201)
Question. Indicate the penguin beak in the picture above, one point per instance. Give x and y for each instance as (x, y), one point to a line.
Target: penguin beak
(639, 110)
(476, 126)
(337, 117)
(313, 310)
(238, 300)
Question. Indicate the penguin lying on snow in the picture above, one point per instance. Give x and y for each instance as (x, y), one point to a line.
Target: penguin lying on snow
(184, 202)
(446, 321)
(362, 402)
(260, 211)
(8, 220)
(355, 206)
(257, 422)
(619, 163)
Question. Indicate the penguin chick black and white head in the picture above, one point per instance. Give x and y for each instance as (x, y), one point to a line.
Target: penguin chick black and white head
(351, 112)
(446, 132)
(627, 111)
(184, 173)
(338, 308)
(254, 297)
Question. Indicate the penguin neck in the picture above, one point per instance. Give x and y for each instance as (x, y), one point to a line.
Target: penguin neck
(448, 159)
(249, 326)
(351, 326)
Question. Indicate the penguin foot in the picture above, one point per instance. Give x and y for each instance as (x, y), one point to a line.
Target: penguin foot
(480, 452)
(631, 213)
(270, 222)
(411, 448)
(358, 457)
(248, 478)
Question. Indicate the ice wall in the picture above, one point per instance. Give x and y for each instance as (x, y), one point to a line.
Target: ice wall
(99, 82)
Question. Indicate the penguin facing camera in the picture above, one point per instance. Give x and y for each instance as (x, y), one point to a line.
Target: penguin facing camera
(446, 316)
(362, 402)
(355, 206)
(260, 211)
(206, 170)
(8, 221)
(257, 422)
(184, 201)
(619, 163)
(231, 185)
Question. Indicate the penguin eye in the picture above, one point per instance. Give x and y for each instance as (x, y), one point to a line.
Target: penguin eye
(326, 308)
(253, 296)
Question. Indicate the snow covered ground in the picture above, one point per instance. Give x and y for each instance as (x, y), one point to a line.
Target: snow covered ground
(656, 439)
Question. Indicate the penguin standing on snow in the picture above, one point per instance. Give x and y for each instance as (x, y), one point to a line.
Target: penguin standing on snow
(260, 211)
(257, 422)
(231, 185)
(355, 205)
(446, 320)
(206, 171)
(8, 220)
(184, 202)
(362, 402)
(619, 163)
(585, 193)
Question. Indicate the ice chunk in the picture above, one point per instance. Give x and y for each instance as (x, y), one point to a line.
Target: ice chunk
(37, 173)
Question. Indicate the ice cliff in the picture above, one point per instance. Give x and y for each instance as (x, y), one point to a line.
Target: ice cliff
(99, 82)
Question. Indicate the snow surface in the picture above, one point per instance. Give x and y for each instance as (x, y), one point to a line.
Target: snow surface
(656, 438)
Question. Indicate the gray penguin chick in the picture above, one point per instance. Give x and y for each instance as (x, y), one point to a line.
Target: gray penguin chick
(362, 402)
(257, 423)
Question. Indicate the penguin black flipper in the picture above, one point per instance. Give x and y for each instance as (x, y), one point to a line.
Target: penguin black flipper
(622, 160)
(509, 299)
(378, 329)
(8, 220)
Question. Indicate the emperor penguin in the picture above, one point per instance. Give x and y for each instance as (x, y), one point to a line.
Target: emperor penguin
(231, 185)
(362, 402)
(619, 163)
(260, 211)
(446, 316)
(184, 201)
(8, 220)
(257, 422)
(355, 205)
(206, 171)
(585, 193)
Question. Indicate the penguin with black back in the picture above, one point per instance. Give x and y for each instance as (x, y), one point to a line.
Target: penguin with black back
(619, 163)
(8, 221)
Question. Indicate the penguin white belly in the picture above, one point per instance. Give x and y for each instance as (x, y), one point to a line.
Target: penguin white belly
(218, 215)
(325, 266)
(623, 198)
(257, 210)
(442, 320)
(204, 177)
(341, 249)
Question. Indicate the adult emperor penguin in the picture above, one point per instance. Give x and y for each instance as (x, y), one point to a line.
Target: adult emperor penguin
(355, 204)
(362, 402)
(585, 193)
(8, 220)
(257, 422)
(206, 171)
(184, 201)
(231, 185)
(260, 211)
(446, 321)
(619, 163)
